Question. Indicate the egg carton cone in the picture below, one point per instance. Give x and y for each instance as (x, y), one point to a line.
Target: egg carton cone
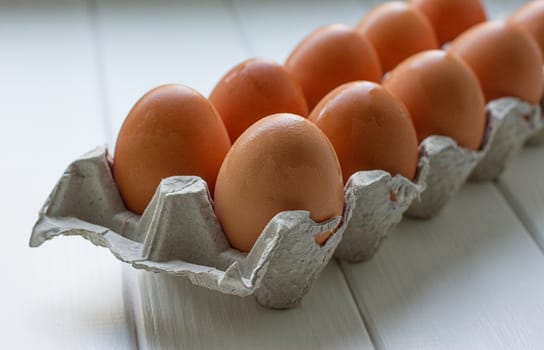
(378, 201)
(513, 121)
(179, 234)
(537, 138)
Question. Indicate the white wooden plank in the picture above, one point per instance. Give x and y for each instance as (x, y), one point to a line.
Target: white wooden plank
(522, 184)
(149, 44)
(181, 316)
(469, 279)
(170, 312)
(66, 294)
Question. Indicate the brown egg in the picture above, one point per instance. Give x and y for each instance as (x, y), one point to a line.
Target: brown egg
(369, 129)
(531, 18)
(451, 17)
(329, 57)
(505, 59)
(442, 96)
(171, 130)
(282, 162)
(255, 89)
(397, 30)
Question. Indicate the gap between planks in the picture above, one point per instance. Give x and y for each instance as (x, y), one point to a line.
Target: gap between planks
(522, 184)
(103, 96)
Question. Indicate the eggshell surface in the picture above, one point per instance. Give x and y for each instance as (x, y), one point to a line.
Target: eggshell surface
(442, 96)
(451, 17)
(282, 162)
(531, 18)
(369, 129)
(255, 89)
(505, 58)
(397, 30)
(329, 57)
(171, 130)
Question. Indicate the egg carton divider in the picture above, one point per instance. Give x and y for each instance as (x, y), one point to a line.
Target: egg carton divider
(379, 201)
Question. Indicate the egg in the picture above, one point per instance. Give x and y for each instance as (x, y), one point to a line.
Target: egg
(442, 96)
(171, 130)
(451, 17)
(531, 18)
(282, 162)
(505, 59)
(330, 56)
(254, 89)
(397, 30)
(369, 129)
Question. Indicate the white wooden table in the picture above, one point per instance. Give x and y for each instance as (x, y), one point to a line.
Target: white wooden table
(70, 70)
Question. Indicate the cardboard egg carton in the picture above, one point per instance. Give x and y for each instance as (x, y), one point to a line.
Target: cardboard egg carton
(510, 122)
(179, 234)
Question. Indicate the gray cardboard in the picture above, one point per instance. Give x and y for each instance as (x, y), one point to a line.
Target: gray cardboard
(449, 167)
(179, 234)
(513, 122)
(378, 201)
(537, 138)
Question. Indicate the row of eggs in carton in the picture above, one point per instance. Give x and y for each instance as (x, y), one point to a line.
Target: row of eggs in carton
(264, 216)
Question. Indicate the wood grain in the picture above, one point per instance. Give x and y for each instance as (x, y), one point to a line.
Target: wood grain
(176, 314)
(469, 279)
(66, 294)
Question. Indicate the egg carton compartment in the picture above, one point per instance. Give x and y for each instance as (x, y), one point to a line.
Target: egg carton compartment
(179, 234)
(537, 138)
(509, 123)
(513, 122)
(378, 201)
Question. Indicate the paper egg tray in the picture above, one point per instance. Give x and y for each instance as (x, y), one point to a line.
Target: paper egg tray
(510, 122)
(179, 234)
